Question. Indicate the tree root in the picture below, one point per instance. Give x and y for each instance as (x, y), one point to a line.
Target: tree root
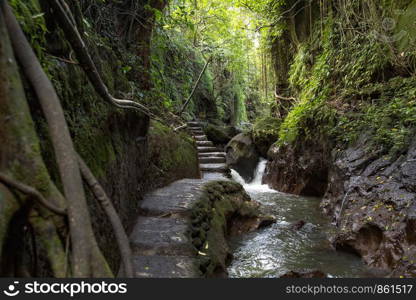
(119, 232)
(30, 191)
(48, 238)
(20, 156)
(86, 258)
(67, 23)
(195, 86)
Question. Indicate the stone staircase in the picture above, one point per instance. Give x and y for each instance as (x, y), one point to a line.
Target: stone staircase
(160, 240)
(162, 247)
(211, 159)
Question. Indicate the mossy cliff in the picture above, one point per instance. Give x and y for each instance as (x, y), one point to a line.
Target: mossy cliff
(116, 144)
(346, 100)
(20, 158)
(172, 156)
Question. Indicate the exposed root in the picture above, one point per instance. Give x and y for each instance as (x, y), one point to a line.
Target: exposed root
(68, 25)
(119, 232)
(86, 258)
(30, 191)
(47, 236)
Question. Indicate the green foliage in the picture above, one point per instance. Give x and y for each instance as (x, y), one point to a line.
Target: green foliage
(341, 78)
(266, 127)
(175, 68)
(310, 82)
(172, 154)
(391, 117)
(31, 19)
(224, 31)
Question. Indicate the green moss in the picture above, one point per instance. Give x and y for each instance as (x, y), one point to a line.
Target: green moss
(405, 30)
(175, 67)
(31, 19)
(349, 83)
(211, 216)
(265, 133)
(173, 154)
(220, 134)
(8, 207)
(51, 244)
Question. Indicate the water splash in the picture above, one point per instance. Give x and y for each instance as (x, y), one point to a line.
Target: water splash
(256, 185)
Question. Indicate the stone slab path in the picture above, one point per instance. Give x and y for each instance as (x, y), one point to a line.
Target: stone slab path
(162, 247)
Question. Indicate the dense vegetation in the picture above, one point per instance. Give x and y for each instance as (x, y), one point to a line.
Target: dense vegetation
(298, 70)
(350, 68)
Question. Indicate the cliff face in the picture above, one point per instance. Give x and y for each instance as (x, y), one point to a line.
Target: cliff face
(298, 169)
(124, 150)
(370, 197)
(346, 133)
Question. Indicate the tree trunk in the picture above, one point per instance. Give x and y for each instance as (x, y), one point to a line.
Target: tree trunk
(20, 158)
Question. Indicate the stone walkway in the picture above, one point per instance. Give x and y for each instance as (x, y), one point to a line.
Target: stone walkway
(162, 247)
(210, 158)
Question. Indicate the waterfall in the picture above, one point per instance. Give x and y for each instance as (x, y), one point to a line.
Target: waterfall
(256, 185)
(353, 183)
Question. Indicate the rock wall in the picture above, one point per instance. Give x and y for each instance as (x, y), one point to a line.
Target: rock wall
(116, 144)
(370, 196)
(300, 169)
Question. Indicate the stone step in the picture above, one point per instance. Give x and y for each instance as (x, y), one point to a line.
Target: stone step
(161, 236)
(197, 132)
(194, 123)
(176, 198)
(206, 149)
(211, 154)
(157, 266)
(214, 176)
(214, 168)
(212, 160)
(195, 127)
(200, 138)
(205, 143)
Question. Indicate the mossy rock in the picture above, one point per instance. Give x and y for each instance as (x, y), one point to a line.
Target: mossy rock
(265, 134)
(173, 155)
(220, 135)
(242, 156)
(212, 221)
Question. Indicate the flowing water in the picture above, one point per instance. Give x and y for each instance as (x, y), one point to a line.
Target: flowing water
(280, 248)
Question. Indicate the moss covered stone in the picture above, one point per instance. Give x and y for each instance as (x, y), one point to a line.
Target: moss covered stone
(220, 135)
(242, 155)
(213, 218)
(265, 133)
(172, 155)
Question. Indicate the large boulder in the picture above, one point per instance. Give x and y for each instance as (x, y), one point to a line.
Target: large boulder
(242, 156)
(220, 135)
(171, 156)
(265, 133)
(300, 169)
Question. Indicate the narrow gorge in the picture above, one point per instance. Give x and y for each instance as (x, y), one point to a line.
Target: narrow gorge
(200, 139)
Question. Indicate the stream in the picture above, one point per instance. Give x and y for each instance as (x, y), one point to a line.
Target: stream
(278, 249)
